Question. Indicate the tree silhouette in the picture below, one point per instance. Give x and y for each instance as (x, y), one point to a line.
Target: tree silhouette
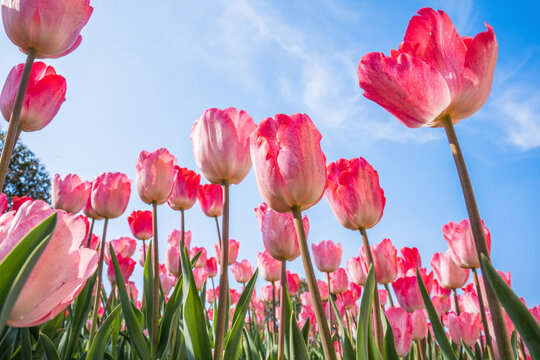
(26, 175)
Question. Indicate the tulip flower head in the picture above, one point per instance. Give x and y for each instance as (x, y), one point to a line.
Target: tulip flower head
(70, 193)
(327, 255)
(234, 246)
(269, 268)
(242, 271)
(185, 189)
(461, 243)
(110, 194)
(385, 261)
(155, 175)
(400, 322)
(211, 199)
(447, 272)
(140, 224)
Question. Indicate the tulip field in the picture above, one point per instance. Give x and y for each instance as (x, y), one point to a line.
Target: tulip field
(68, 292)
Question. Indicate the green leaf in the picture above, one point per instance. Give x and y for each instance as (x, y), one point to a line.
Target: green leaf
(235, 333)
(389, 343)
(195, 334)
(364, 322)
(48, 347)
(252, 352)
(468, 351)
(348, 351)
(18, 264)
(167, 321)
(305, 330)
(97, 349)
(26, 344)
(438, 329)
(148, 289)
(296, 340)
(526, 325)
(132, 323)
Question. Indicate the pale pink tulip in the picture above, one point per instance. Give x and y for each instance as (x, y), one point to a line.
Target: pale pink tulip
(461, 243)
(200, 278)
(447, 272)
(61, 271)
(400, 322)
(211, 199)
(233, 251)
(384, 261)
(269, 268)
(442, 305)
(110, 194)
(435, 72)
(88, 210)
(155, 175)
(419, 325)
(221, 144)
(45, 94)
(167, 282)
(185, 189)
(143, 252)
(305, 299)
(288, 161)
(140, 224)
(242, 271)
(338, 281)
(172, 261)
(327, 255)
(266, 293)
(124, 246)
(356, 271)
(465, 326)
(323, 290)
(175, 237)
(354, 194)
(70, 193)
(408, 261)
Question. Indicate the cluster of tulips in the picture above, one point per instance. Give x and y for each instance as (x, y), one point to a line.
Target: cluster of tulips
(53, 302)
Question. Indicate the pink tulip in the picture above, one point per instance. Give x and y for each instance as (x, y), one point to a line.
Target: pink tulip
(400, 322)
(356, 271)
(465, 326)
(461, 243)
(535, 311)
(408, 293)
(51, 28)
(124, 246)
(438, 290)
(408, 261)
(210, 296)
(200, 278)
(323, 290)
(61, 271)
(155, 175)
(288, 161)
(88, 210)
(167, 282)
(3, 203)
(269, 268)
(19, 201)
(279, 234)
(338, 281)
(126, 265)
(307, 313)
(355, 290)
(69, 194)
(201, 261)
(221, 144)
(175, 237)
(211, 199)
(340, 307)
(354, 194)
(140, 223)
(383, 297)
(211, 267)
(448, 273)
(327, 255)
(95, 241)
(233, 251)
(435, 72)
(468, 302)
(305, 299)
(172, 261)
(442, 305)
(110, 194)
(266, 293)
(242, 271)
(132, 291)
(293, 282)
(185, 189)
(384, 261)
(348, 299)
(234, 296)
(419, 325)
(44, 95)
(143, 252)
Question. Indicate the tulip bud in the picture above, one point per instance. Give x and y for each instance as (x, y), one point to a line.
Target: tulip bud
(269, 267)
(242, 271)
(211, 199)
(461, 243)
(69, 194)
(110, 194)
(384, 261)
(140, 223)
(185, 189)
(233, 251)
(327, 255)
(155, 176)
(448, 273)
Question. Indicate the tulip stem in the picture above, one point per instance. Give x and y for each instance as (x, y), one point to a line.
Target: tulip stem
(218, 231)
(89, 241)
(98, 285)
(389, 295)
(499, 325)
(144, 250)
(223, 281)
(376, 305)
(329, 303)
(456, 302)
(282, 318)
(483, 315)
(13, 128)
(182, 240)
(274, 320)
(155, 295)
(328, 347)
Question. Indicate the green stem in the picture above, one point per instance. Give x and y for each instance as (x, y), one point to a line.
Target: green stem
(456, 302)
(328, 347)
(89, 241)
(282, 318)
(13, 128)
(499, 325)
(483, 315)
(223, 277)
(274, 320)
(328, 303)
(218, 231)
(389, 295)
(155, 294)
(182, 240)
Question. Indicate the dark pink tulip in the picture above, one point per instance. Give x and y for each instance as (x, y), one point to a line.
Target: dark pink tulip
(110, 194)
(408, 261)
(201, 261)
(124, 246)
(419, 324)
(19, 201)
(354, 194)
(200, 277)
(383, 297)
(95, 241)
(269, 268)
(348, 299)
(435, 72)
(126, 265)
(279, 234)
(535, 311)
(175, 237)
(172, 260)
(140, 224)
(211, 267)
(88, 210)
(288, 161)
(461, 243)
(132, 291)
(3, 203)
(185, 188)
(408, 293)
(233, 251)
(221, 144)
(384, 260)
(465, 326)
(44, 95)
(327, 255)
(400, 322)
(355, 290)
(211, 199)
(234, 296)
(338, 281)
(70, 193)
(155, 175)
(242, 271)
(293, 282)
(61, 271)
(356, 271)
(438, 290)
(51, 27)
(447, 272)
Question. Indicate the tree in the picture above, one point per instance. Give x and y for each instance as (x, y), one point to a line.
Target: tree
(26, 175)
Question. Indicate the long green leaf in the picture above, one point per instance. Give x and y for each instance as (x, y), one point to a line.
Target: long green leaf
(167, 321)
(48, 347)
(468, 351)
(235, 333)
(18, 264)
(526, 325)
(97, 349)
(348, 351)
(364, 321)
(195, 334)
(148, 289)
(390, 352)
(132, 324)
(438, 329)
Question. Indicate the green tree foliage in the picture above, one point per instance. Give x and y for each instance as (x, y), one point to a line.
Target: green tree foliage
(26, 175)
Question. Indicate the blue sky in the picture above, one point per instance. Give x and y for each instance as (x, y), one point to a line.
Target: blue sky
(143, 74)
